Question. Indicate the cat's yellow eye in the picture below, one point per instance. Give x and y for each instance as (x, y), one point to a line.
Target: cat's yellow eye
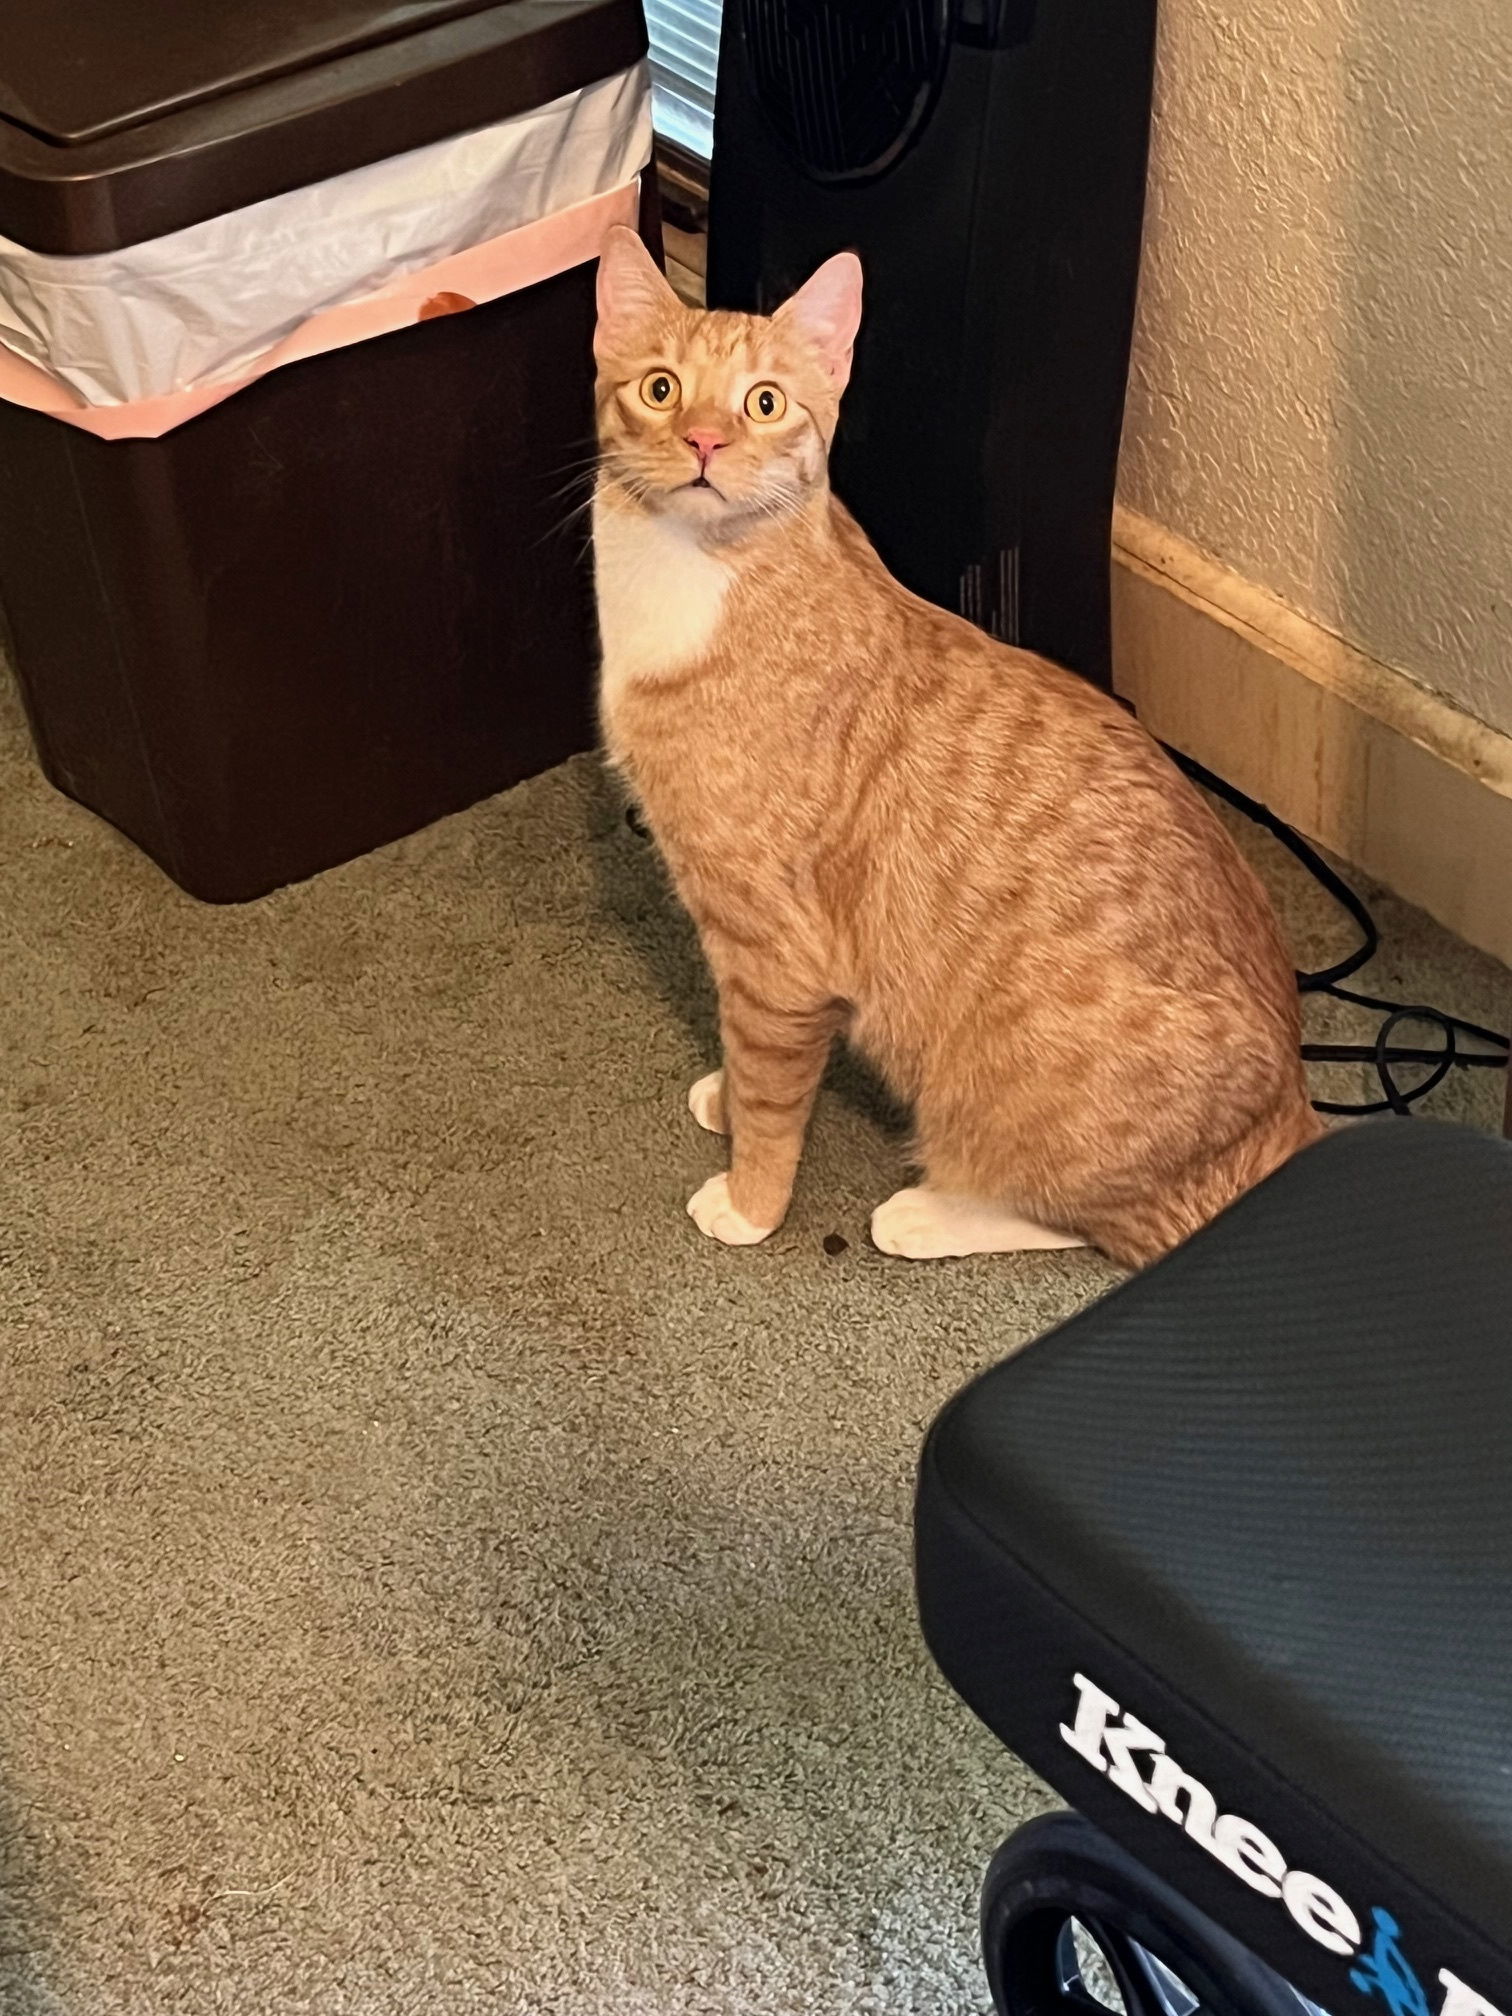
(766, 404)
(660, 391)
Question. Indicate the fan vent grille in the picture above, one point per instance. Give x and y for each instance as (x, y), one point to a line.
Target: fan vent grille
(846, 83)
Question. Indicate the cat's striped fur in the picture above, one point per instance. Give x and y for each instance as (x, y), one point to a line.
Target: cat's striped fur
(889, 827)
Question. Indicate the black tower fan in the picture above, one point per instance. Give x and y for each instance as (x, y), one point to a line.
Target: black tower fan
(986, 158)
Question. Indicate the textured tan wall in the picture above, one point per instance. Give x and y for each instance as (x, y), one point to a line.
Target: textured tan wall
(1322, 384)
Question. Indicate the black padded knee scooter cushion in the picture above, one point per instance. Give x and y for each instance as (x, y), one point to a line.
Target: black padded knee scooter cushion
(1262, 1497)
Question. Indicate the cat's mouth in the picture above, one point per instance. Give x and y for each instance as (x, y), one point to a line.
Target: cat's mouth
(701, 482)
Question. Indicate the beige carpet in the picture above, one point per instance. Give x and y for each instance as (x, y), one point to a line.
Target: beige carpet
(431, 1579)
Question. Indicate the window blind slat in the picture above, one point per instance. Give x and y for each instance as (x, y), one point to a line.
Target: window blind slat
(684, 64)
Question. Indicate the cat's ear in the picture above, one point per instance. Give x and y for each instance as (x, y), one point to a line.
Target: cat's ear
(631, 292)
(826, 311)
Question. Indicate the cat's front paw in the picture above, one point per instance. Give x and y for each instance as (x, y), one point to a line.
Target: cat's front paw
(713, 1213)
(706, 1102)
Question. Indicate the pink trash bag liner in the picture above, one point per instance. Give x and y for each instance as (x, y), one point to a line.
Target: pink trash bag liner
(135, 343)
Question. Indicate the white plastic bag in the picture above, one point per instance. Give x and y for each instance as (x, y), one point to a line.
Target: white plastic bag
(203, 304)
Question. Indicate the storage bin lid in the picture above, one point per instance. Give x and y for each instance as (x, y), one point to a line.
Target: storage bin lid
(119, 123)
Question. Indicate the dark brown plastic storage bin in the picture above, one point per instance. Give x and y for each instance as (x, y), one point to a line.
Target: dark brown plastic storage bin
(343, 602)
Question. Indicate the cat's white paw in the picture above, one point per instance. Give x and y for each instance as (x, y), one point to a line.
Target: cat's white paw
(926, 1224)
(909, 1225)
(706, 1102)
(713, 1213)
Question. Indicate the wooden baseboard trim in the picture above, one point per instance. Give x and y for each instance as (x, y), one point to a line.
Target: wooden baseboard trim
(1352, 753)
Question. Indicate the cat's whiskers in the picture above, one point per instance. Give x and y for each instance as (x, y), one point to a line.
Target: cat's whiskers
(575, 464)
(577, 515)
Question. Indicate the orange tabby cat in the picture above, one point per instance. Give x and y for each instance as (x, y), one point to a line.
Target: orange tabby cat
(888, 826)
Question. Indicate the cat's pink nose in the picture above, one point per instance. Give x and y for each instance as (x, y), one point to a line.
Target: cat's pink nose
(704, 440)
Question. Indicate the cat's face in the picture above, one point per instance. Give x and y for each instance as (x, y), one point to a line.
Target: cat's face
(721, 420)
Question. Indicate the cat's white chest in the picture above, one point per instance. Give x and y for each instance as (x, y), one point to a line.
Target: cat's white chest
(660, 597)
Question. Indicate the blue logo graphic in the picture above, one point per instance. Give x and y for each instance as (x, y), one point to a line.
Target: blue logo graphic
(1384, 1971)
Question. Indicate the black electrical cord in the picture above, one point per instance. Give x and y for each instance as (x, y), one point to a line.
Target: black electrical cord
(1382, 1053)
